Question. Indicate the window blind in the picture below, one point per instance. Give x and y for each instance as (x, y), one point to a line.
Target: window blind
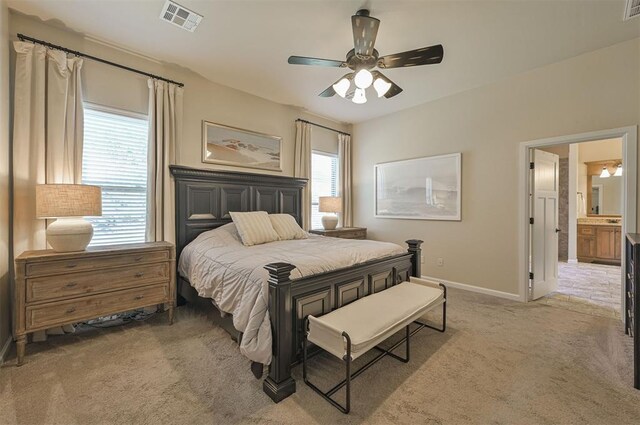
(324, 182)
(115, 158)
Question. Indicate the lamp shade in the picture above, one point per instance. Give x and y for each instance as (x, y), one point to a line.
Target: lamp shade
(68, 200)
(330, 204)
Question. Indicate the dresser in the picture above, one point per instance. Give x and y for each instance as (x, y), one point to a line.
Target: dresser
(59, 288)
(632, 292)
(343, 232)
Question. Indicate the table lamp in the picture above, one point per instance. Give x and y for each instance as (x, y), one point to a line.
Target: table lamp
(68, 204)
(330, 204)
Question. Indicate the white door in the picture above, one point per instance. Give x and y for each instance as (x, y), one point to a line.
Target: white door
(544, 230)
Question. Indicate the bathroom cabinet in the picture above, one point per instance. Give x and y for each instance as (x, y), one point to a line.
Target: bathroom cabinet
(599, 243)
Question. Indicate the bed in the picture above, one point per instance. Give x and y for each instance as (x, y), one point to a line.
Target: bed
(204, 199)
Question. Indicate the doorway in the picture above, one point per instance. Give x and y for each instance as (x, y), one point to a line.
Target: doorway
(542, 228)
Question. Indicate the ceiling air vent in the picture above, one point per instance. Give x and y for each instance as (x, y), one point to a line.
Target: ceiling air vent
(632, 9)
(180, 16)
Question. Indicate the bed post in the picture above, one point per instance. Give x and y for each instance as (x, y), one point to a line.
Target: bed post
(279, 384)
(416, 256)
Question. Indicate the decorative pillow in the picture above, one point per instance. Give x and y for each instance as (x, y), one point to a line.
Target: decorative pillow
(254, 227)
(287, 227)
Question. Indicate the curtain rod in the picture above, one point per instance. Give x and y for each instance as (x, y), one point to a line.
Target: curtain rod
(23, 37)
(322, 126)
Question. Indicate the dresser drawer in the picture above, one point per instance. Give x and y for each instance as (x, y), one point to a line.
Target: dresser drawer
(352, 234)
(71, 311)
(83, 283)
(93, 263)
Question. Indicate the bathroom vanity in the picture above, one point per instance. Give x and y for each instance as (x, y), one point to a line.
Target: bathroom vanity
(600, 240)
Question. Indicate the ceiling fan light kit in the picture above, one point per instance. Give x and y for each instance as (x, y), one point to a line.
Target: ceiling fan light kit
(363, 58)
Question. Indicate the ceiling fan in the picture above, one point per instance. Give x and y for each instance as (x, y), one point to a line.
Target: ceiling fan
(363, 58)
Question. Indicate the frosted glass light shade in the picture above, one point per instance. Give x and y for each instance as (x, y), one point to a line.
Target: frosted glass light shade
(605, 173)
(363, 79)
(68, 200)
(342, 86)
(330, 204)
(381, 86)
(359, 97)
(618, 172)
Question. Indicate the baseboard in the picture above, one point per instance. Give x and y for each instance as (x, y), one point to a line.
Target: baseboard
(572, 261)
(478, 289)
(5, 349)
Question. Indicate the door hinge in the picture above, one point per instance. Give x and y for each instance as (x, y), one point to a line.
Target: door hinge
(530, 275)
(530, 220)
(532, 165)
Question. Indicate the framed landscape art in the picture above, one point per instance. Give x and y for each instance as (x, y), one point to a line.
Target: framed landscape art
(426, 188)
(227, 145)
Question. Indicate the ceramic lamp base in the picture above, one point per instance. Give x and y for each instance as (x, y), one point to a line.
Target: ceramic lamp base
(329, 222)
(69, 234)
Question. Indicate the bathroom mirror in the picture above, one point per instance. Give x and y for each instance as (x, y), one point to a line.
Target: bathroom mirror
(606, 195)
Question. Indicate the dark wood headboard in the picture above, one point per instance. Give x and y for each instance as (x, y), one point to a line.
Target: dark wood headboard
(205, 197)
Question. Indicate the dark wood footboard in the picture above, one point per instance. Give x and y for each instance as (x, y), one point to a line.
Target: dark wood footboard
(291, 301)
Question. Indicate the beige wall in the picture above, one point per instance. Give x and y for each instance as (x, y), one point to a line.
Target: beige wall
(595, 91)
(4, 176)
(203, 99)
(600, 150)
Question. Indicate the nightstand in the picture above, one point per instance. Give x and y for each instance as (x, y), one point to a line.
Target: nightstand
(343, 232)
(60, 288)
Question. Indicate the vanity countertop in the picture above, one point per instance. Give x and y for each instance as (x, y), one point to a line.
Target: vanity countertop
(600, 221)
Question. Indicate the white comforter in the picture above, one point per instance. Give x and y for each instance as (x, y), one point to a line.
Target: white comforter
(220, 267)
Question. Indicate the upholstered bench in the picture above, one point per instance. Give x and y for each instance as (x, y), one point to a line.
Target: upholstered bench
(356, 328)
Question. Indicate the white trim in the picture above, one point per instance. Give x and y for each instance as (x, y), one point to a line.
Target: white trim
(629, 137)
(572, 261)
(477, 289)
(5, 349)
(115, 111)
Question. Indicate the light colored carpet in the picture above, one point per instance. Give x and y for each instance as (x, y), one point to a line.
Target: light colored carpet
(500, 362)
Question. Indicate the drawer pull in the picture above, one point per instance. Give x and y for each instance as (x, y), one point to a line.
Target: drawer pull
(71, 284)
(139, 297)
(139, 258)
(71, 265)
(139, 274)
(70, 310)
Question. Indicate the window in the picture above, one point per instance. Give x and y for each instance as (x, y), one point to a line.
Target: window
(115, 158)
(324, 182)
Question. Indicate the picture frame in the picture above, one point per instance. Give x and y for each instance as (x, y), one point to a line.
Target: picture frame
(227, 145)
(426, 188)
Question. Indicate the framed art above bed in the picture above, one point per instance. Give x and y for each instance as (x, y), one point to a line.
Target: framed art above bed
(427, 188)
(225, 145)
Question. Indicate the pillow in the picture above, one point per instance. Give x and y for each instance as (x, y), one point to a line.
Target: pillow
(254, 227)
(287, 227)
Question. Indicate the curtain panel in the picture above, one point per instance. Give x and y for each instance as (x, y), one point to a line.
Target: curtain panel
(48, 130)
(344, 156)
(165, 131)
(302, 168)
(47, 133)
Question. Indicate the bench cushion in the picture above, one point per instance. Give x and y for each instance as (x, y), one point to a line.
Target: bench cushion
(372, 319)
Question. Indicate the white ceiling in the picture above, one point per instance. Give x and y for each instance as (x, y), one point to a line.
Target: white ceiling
(245, 44)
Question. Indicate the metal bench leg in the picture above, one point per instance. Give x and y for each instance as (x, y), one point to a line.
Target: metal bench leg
(347, 382)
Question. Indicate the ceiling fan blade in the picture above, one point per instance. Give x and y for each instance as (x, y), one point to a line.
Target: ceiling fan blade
(424, 56)
(330, 91)
(365, 31)
(393, 90)
(303, 60)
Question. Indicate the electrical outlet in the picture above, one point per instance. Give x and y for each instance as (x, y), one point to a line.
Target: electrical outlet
(440, 262)
(422, 259)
